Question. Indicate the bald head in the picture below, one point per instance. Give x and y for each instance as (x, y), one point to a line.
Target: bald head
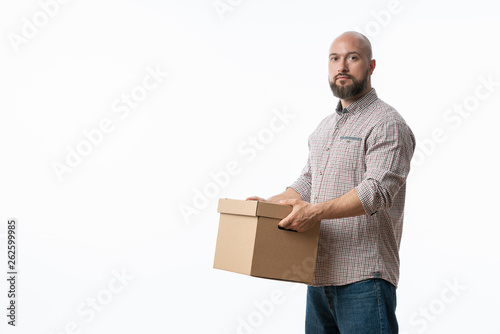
(350, 66)
(357, 39)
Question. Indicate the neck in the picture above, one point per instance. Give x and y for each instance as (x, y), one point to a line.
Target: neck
(347, 102)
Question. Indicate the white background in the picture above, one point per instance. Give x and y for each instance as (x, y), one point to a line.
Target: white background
(229, 68)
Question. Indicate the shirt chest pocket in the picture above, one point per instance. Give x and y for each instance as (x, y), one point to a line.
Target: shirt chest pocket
(347, 154)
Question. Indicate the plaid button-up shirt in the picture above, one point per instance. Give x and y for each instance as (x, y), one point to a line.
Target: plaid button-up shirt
(366, 146)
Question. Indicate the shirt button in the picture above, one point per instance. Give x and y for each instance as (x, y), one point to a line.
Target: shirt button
(320, 173)
(327, 149)
(316, 198)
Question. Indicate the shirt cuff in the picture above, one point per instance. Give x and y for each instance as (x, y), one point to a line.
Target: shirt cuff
(367, 195)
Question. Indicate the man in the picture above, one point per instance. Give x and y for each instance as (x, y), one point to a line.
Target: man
(354, 186)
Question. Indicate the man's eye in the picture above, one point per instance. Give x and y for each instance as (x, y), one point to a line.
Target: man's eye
(333, 58)
(353, 58)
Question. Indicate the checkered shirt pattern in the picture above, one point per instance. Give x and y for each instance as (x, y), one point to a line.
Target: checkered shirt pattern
(367, 146)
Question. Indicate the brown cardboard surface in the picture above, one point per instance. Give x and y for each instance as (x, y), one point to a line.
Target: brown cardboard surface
(237, 207)
(253, 208)
(272, 210)
(282, 254)
(249, 242)
(235, 243)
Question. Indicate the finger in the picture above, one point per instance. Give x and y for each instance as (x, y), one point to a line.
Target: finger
(288, 202)
(256, 198)
(286, 222)
(283, 223)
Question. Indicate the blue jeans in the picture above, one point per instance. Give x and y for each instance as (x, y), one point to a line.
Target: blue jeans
(365, 307)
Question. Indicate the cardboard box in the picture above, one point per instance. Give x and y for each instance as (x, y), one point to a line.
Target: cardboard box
(249, 242)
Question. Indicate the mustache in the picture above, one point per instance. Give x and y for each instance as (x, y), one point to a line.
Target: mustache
(343, 75)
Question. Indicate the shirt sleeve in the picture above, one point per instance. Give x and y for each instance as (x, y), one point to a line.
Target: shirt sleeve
(389, 151)
(303, 184)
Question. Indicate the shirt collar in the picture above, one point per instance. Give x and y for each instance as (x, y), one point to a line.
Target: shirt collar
(359, 104)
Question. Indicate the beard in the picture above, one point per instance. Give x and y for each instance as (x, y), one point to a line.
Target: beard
(345, 91)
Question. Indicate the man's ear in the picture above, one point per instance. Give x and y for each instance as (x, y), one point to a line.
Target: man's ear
(373, 63)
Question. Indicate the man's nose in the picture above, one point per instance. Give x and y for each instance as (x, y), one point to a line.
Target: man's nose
(342, 67)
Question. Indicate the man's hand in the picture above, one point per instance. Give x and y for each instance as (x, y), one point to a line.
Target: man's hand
(256, 198)
(289, 193)
(304, 215)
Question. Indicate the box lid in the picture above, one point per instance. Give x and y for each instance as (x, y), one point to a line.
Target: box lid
(253, 208)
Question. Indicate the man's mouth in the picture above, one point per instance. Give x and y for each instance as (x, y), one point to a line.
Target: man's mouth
(342, 77)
